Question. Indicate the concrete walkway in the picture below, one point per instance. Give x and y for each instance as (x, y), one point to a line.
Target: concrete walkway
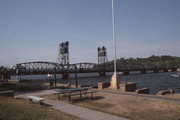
(80, 112)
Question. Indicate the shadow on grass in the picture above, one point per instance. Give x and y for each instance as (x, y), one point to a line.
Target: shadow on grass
(36, 103)
(46, 105)
(41, 104)
(98, 98)
(87, 99)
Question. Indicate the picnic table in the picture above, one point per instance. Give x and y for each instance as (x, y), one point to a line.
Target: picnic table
(68, 93)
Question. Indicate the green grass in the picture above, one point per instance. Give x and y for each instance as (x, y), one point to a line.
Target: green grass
(18, 109)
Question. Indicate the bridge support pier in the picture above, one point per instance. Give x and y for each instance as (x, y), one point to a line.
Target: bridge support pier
(125, 72)
(102, 74)
(2, 76)
(64, 76)
(143, 71)
(155, 71)
(174, 69)
(165, 70)
(55, 80)
(6, 77)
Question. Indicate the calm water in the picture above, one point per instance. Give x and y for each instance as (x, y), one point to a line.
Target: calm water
(154, 81)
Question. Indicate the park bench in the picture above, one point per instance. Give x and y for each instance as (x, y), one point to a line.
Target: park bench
(80, 94)
(38, 99)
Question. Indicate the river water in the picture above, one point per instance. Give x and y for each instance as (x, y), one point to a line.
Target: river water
(154, 81)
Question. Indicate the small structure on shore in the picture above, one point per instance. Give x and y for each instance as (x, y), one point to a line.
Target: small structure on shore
(123, 86)
(127, 86)
(165, 92)
(143, 91)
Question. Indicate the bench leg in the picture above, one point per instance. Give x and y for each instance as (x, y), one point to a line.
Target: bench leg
(41, 102)
(85, 94)
(69, 97)
(30, 101)
(91, 95)
(81, 95)
(58, 96)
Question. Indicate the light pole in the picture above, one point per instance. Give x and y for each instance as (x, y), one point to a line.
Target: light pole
(50, 80)
(114, 79)
(68, 62)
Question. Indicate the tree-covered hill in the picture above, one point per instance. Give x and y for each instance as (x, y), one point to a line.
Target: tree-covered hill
(152, 61)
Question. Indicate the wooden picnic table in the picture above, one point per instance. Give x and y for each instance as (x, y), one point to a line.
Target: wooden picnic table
(68, 93)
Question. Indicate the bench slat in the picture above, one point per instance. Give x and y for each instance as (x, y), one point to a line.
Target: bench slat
(36, 98)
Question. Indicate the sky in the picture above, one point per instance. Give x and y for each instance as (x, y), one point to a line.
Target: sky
(31, 30)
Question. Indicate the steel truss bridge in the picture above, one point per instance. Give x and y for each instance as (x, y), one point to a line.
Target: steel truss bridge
(42, 67)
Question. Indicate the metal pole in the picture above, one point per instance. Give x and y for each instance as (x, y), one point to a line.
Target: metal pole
(114, 41)
(69, 84)
(76, 77)
(55, 77)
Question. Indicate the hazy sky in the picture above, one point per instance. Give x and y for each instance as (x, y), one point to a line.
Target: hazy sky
(31, 30)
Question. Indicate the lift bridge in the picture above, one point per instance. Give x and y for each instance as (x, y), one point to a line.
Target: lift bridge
(42, 67)
(62, 66)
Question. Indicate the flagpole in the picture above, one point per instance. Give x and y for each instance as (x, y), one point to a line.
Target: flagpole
(114, 41)
(114, 79)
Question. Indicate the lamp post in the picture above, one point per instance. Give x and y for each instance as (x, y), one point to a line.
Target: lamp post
(114, 79)
(50, 80)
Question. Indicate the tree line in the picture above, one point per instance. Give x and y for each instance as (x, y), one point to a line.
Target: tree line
(164, 61)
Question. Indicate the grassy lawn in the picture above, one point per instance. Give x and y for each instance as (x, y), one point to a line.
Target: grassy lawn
(135, 108)
(19, 109)
(133, 112)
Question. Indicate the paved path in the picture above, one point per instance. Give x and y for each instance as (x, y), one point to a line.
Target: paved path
(80, 112)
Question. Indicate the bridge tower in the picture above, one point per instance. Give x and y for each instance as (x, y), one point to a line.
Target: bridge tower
(63, 55)
(63, 58)
(102, 59)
